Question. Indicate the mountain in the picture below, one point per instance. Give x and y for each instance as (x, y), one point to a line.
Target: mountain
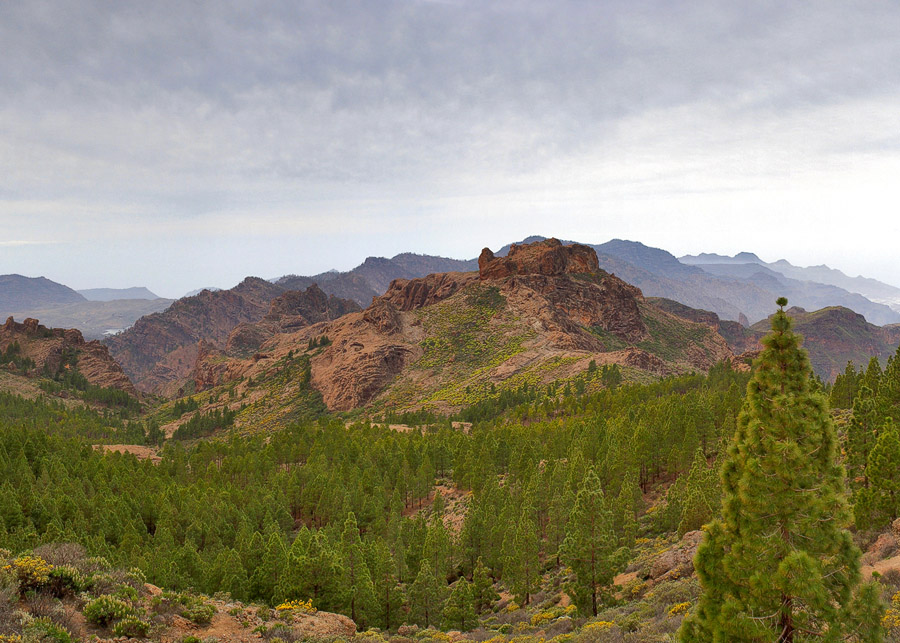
(374, 275)
(832, 336)
(112, 294)
(24, 293)
(874, 290)
(724, 288)
(37, 351)
(807, 294)
(345, 285)
(161, 349)
(96, 312)
(835, 335)
(541, 314)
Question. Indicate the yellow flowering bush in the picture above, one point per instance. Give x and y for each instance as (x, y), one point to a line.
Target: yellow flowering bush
(10, 638)
(891, 620)
(598, 626)
(32, 572)
(555, 612)
(297, 607)
(679, 608)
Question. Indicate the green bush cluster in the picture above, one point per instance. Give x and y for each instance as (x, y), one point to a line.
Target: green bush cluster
(131, 626)
(46, 631)
(105, 609)
(66, 580)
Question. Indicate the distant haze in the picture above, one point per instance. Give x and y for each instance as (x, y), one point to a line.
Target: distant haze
(175, 145)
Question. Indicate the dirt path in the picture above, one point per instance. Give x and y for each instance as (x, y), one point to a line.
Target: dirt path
(141, 452)
(882, 566)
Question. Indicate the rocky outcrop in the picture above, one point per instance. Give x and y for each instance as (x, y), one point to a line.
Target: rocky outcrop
(51, 349)
(549, 258)
(410, 294)
(679, 560)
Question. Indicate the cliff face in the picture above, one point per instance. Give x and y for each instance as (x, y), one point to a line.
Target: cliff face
(288, 313)
(48, 349)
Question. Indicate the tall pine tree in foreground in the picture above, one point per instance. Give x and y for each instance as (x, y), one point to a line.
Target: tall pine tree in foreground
(780, 564)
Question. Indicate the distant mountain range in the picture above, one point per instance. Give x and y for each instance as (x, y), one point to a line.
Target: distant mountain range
(96, 312)
(113, 294)
(20, 293)
(741, 288)
(738, 291)
(877, 291)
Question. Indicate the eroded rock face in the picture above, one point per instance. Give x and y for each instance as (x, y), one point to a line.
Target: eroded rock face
(410, 294)
(47, 348)
(548, 258)
(161, 349)
(368, 350)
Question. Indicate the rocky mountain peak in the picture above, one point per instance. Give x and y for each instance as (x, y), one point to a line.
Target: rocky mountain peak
(549, 258)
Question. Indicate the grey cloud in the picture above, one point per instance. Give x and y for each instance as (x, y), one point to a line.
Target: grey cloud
(141, 112)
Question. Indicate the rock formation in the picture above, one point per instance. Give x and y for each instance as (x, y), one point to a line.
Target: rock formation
(549, 258)
(48, 349)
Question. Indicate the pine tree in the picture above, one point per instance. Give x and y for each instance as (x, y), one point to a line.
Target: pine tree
(883, 472)
(426, 596)
(388, 594)
(861, 434)
(888, 396)
(521, 570)
(483, 592)
(437, 548)
(780, 565)
(459, 611)
(591, 547)
(357, 580)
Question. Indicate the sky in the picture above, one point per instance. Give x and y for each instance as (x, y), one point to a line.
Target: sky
(178, 145)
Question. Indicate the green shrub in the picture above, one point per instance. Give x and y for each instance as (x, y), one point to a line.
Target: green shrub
(46, 631)
(199, 612)
(132, 627)
(190, 639)
(126, 593)
(65, 580)
(106, 609)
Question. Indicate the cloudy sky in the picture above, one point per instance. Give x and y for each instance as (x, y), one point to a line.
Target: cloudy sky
(178, 145)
